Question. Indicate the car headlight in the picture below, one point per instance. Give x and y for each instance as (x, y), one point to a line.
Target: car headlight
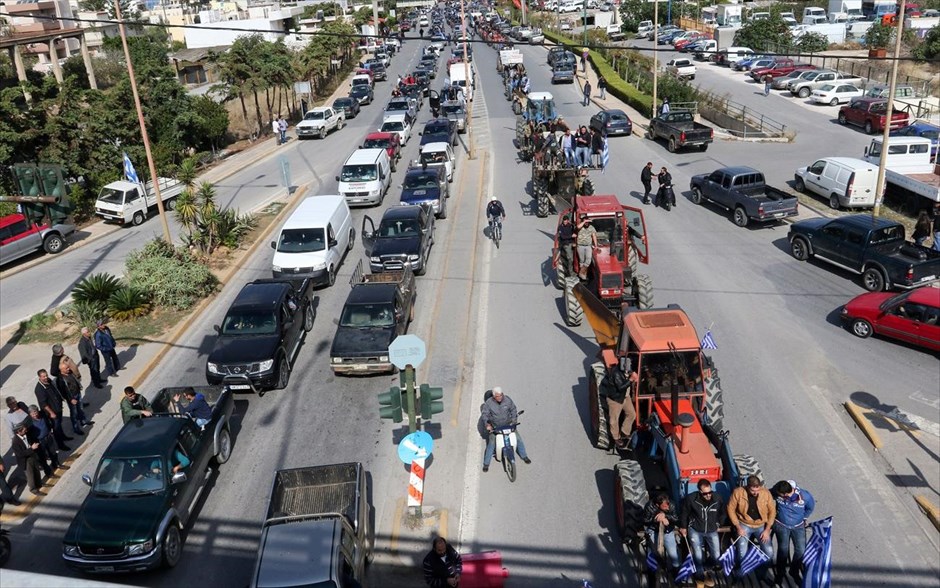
(413, 257)
(319, 266)
(140, 548)
(374, 192)
(383, 358)
(71, 550)
(276, 268)
(265, 365)
(336, 359)
(213, 368)
(375, 259)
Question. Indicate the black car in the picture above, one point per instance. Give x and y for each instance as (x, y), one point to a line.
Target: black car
(379, 73)
(428, 70)
(439, 130)
(612, 122)
(362, 93)
(403, 238)
(556, 52)
(261, 334)
(347, 104)
(563, 72)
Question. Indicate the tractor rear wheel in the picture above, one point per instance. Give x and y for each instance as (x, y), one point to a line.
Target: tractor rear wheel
(633, 260)
(631, 498)
(517, 107)
(600, 432)
(561, 270)
(573, 311)
(540, 193)
(587, 187)
(644, 292)
(747, 466)
(714, 399)
(520, 130)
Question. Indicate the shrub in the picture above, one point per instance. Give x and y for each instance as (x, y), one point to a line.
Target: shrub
(96, 289)
(171, 277)
(879, 36)
(83, 314)
(128, 303)
(929, 48)
(813, 43)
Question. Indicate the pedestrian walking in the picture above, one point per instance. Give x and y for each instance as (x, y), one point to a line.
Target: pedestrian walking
(700, 515)
(29, 454)
(49, 400)
(106, 344)
(6, 492)
(794, 507)
(646, 176)
(42, 427)
(442, 565)
(665, 108)
(602, 87)
(276, 129)
(584, 58)
(282, 128)
(587, 93)
(752, 512)
(767, 83)
(89, 356)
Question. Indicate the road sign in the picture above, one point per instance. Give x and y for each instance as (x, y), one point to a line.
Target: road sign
(417, 445)
(407, 350)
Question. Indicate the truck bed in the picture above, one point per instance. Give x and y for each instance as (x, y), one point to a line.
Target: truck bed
(310, 491)
(163, 401)
(926, 185)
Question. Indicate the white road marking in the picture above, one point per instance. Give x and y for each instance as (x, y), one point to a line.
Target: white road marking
(932, 402)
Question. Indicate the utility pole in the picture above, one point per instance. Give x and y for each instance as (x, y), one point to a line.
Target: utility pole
(584, 25)
(522, 3)
(883, 160)
(375, 20)
(655, 53)
(467, 79)
(143, 126)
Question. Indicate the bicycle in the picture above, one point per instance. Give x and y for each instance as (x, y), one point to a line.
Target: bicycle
(496, 230)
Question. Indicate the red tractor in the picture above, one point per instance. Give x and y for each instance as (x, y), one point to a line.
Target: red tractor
(621, 245)
(679, 437)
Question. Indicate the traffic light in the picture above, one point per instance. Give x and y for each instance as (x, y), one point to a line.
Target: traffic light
(431, 402)
(27, 179)
(390, 404)
(53, 182)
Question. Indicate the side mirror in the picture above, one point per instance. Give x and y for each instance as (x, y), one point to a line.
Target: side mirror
(273, 245)
(866, 151)
(333, 242)
(178, 478)
(337, 178)
(87, 479)
(217, 329)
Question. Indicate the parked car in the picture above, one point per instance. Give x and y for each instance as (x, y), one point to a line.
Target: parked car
(319, 121)
(612, 122)
(682, 67)
(804, 86)
(913, 316)
(397, 123)
(782, 82)
(844, 181)
(871, 115)
(920, 128)
(679, 129)
(348, 105)
(835, 94)
(746, 63)
(363, 93)
(743, 191)
(780, 67)
(563, 72)
(388, 141)
(19, 237)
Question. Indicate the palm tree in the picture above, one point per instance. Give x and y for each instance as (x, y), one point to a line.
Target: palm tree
(187, 212)
(187, 172)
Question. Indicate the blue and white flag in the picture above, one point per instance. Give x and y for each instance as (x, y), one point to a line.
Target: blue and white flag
(651, 562)
(708, 342)
(687, 569)
(817, 558)
(727, 560)
(753, 559)
(605, 155)
(129, 171)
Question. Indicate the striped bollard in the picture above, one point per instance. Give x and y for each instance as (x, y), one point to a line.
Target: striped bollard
(416, 483)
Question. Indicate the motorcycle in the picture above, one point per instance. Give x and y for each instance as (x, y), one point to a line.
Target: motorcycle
(6, 547)
(506, 448)
(666, 197)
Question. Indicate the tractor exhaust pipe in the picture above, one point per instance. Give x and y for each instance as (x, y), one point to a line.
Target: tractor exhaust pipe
(685, 421)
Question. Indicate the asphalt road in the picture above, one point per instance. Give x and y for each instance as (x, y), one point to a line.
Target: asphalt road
(493, 318)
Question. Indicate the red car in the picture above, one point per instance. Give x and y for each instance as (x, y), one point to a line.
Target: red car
(388, 141)
(871, 115)
(912, 316)
(19, 237)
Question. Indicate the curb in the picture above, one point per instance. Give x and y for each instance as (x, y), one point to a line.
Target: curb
(858, 415)
(929, 509)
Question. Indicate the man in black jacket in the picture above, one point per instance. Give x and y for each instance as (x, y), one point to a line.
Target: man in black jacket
(30, 457)
(442, 565)
(646, 176)
(90, 356)
(700, 516)
(49, 400)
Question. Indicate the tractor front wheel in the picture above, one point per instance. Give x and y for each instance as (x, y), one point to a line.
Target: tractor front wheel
(600, 431)
(644, 292)
(573, 311)
(631, 497)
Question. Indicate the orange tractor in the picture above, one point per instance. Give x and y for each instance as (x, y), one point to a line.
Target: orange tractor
(621, 246)
(675, 390)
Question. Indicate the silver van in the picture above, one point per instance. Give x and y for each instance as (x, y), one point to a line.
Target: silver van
(847, 182)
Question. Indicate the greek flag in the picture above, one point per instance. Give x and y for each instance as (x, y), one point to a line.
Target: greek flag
(687, 569)
(129, 171)
(605, 155)
(727, 560)
(708, 342)
(818, 555)
(651, 562)
(753, 559)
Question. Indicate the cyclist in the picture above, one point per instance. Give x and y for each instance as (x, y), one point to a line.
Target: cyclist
(495, 212)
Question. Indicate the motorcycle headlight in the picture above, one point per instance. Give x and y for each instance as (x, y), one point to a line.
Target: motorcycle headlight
(71, 550)
(140, 548)
(265, 365)
(213, 368)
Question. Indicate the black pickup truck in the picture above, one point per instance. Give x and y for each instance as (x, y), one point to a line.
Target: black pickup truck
(742, 191)
(679, 129)
(378, 309)
(403, 239)
(318, 530)
(260, 335)
(872, 247)
(147, 486)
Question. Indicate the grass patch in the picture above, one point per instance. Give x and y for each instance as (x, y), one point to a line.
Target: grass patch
(52, 328)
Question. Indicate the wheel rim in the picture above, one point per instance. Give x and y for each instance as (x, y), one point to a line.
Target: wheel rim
(799, 185)
(834, 202)
(55, 244)
(171, 545)
(138, 218)
(798, 251)
(308, 319)
(282, 374)
(861, 328)
(873, 280)
(834, 102)
(225, 446)
(332, 275)
(739, 217)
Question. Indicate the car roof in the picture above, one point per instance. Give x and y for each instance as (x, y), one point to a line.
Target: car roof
(145, 437)
(614, 111)
(318, 109)
(394, 117)
(382, 135)
(864, 221)
(420, 170)
(925, 295)
(287, 554)
(739, 169)
(401, 212)
(661, 330)
(434, 147)
(313, 207)
(260, 295)
(11, 219)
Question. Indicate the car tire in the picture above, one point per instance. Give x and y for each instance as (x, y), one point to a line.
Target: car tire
(138, 218)
(352, 239)
(842, 120)
(322, 134)
(283, 374)
(799, 248)
(834, 102)
(673, 145)
(861, 328)
(53, 243)
(834, 202)
(804, 93)
(697, 197)
(308, 318)
(869, 129)
(225, 447)
(172, 545)
(740, 217)
(331, 275)
(799, 185)
(873, 280)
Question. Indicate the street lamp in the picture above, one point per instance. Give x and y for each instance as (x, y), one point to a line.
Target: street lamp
(655, 53)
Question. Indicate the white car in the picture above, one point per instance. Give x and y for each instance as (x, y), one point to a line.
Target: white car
(835, 94)
(681, 68)
(319, 121)
(397, 123)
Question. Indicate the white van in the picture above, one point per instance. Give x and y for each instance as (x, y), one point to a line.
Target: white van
(365, 177)
(845, 181)
(736, 54)
(458, 76)
(314, 240)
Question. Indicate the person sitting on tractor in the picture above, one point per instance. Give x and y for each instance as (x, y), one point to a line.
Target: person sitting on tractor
(660, 519)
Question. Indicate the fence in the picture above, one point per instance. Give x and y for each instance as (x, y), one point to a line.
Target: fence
(739, 120)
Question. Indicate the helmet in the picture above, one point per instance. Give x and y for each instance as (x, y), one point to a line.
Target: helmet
(493, 198)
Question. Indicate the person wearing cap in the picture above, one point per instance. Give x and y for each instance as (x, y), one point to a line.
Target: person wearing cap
(495, 212)
(106, 344)
(500, 411)
(42, 427)
(29, 457)
(587, 241)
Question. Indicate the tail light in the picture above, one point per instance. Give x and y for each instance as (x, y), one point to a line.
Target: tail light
(682, 137)
(850, 186)
(910, 274)
(760, 211)
(711, 134)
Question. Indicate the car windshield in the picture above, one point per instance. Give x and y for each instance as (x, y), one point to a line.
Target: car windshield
(397, 105)
(301, 241)
(128, 476)
(365, 316)
(315, 115)
(452, 109)
(377, 144)
(357, 90)
(358, 173)
(827, 88)
(399, 228)
(342, 103)
(618, 117)
(360, 82)
(393, 127)
(421, 180)
(111, 196)
(249, 322)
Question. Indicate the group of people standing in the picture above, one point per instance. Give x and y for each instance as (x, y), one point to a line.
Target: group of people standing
(664, 179)
(38, 432)
(279, 128)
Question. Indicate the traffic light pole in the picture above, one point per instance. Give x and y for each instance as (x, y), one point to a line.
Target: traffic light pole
(409, 383)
